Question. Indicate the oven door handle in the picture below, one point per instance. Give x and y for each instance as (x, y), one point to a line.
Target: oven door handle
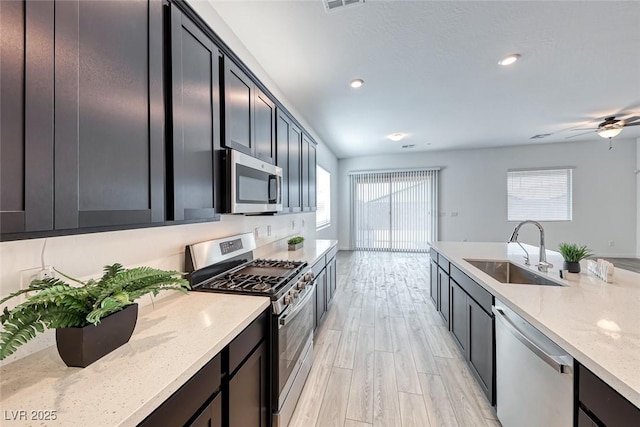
(288, 317)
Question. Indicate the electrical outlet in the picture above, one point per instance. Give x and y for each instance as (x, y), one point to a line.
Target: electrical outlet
(256, 232)
(46, 273)
(303, 223)
(268, 230)
(612, 243)
(293, 224)
(454, 213)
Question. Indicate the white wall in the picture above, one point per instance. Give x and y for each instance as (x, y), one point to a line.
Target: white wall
(638, 198)
(473, 184)
(325, 157)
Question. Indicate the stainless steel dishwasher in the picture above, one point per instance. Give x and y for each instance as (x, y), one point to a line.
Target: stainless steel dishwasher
(534, 377)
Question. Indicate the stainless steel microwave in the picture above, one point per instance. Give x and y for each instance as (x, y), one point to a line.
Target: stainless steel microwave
(253, 186)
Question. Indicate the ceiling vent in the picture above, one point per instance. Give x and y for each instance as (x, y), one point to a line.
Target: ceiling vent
(409, 146)
(331, 5)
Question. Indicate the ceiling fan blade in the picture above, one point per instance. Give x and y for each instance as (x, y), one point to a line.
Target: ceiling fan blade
(579, 134)
(583, 129)
(631, 119)
(632, 124)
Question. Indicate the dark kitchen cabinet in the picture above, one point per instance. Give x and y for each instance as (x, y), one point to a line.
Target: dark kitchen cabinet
(443, 294)
(295, 169)
(26, 116)
(199, 399)
(109, 114)
(433, 279)
(480, 352)
(249, 115)
(195, 121)
(332, 279)
(459, 315)
(248, 388)
(211, 415)
(321, 296)
(288, 148)
(264, 127)
(598, 403)
(238, 109)
(308, 173)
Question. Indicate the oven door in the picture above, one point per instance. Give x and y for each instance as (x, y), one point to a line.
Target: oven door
(256, 186)
(295, 330)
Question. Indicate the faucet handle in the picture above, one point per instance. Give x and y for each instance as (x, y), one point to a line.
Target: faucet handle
(544, 266)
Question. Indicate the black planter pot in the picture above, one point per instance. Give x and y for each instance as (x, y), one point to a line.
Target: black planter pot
(573, 267)
(80, 347)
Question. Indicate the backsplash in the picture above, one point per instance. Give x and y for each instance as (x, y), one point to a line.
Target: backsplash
(84, 255)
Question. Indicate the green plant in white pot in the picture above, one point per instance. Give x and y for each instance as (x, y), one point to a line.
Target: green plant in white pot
(573, 254)
(91, 318)
(295, 243)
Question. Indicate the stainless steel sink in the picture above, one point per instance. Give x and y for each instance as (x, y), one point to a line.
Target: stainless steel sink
(507, 272)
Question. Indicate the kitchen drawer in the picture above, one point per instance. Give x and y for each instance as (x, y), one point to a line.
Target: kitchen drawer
(433, 254)
(248, 339)
(475, 291)
(443, 263)
(318, 266)
(604, 402)
(189, 398)
(331, 254)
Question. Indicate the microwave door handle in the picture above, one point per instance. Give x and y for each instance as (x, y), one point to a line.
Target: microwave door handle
(276, 199)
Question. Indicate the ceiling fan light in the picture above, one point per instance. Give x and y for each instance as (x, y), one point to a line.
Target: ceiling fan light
(609, 131)
(397, 136)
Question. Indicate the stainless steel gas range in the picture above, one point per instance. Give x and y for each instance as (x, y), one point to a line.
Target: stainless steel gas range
(227, 265)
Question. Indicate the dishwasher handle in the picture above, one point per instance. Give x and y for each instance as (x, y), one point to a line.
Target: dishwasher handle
(556, 362)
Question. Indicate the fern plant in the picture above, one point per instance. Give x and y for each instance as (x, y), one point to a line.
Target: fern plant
(54, 303)
(571, 252)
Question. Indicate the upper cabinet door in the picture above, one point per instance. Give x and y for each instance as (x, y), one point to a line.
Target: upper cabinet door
(312, 176)
(264, 127)
(195, 114)
(283, 126)
(295, 169)
(304, 182)
(238, 109)
(109, 113)
(26, 116)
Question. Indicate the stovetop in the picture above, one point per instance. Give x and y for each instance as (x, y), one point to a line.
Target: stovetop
(262, 277)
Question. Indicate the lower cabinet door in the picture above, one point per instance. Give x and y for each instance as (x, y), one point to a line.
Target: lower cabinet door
(444, 296)
(481, 350)
(248, 391)
(211, 416)
(584, 420)
(459, 316)
(433, 277)
(321, 296)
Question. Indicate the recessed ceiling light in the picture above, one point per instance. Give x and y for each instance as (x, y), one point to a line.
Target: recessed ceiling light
(508, 60)
(397, 136)
(356, 83)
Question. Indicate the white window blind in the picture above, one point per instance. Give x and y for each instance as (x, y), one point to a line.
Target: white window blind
(323, 186)
(394, 211)
(541, 195)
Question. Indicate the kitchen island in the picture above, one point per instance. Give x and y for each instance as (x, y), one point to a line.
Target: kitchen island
(597, 323)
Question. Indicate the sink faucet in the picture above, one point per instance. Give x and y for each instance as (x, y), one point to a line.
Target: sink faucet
(543, 265)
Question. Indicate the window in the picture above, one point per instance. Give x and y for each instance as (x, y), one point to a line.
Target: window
(394, 211)
(323, 210)
(542, 195)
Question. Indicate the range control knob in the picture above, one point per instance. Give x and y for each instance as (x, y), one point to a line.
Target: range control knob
(308, 277)
(301, 285)
(294, 293)
(288, 300)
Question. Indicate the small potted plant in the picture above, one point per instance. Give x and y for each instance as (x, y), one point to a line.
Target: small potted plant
(295, 243)
(91, 318)
(573, 254)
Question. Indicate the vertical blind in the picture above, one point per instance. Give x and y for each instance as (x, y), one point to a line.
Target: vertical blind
(542, 195)
(394, 211)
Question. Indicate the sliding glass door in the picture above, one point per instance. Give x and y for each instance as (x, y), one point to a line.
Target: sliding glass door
(394, 211)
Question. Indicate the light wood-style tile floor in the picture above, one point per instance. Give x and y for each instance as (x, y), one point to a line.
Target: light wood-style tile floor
(383, 356)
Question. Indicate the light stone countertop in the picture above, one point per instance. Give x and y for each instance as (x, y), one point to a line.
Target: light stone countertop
(171, 342)
(310, 252)
(597, 323)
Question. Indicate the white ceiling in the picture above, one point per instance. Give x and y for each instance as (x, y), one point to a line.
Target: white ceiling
(430, 68)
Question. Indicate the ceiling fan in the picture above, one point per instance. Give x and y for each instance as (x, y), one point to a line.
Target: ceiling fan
(610, 127)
